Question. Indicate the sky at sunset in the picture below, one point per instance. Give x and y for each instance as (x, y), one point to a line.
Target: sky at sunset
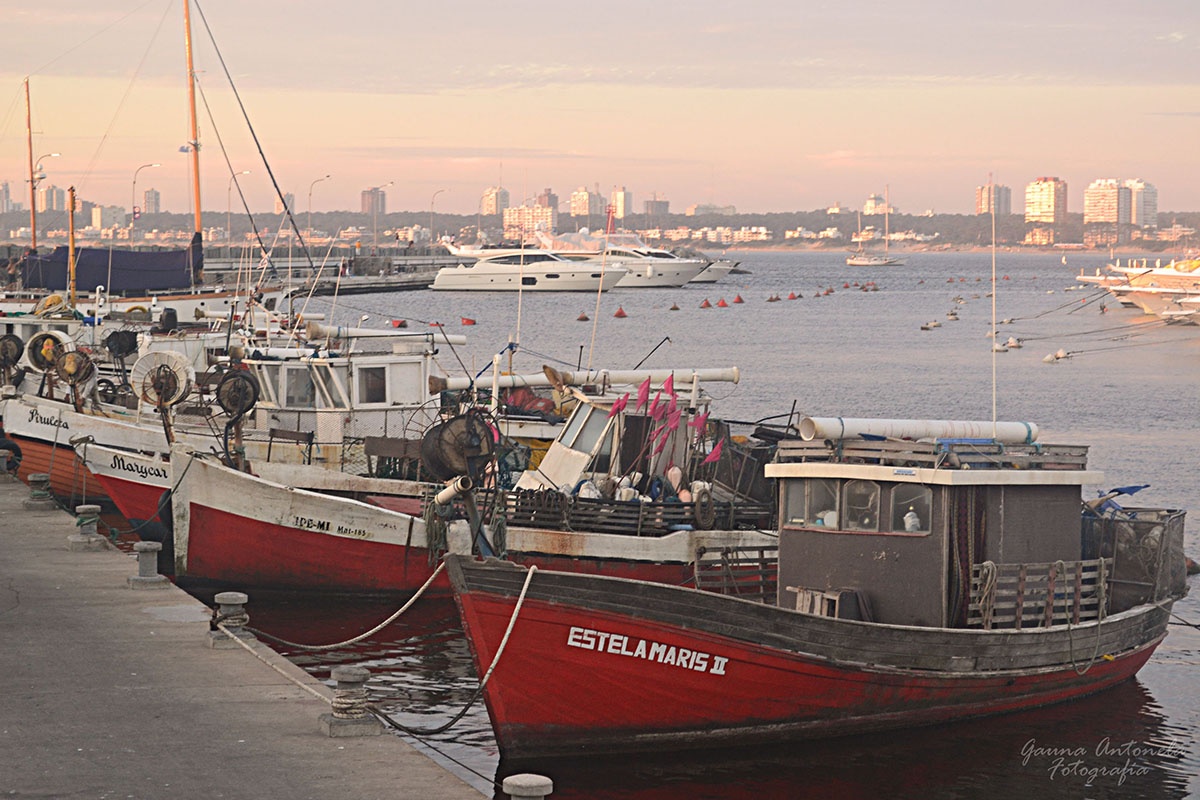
(767, 106)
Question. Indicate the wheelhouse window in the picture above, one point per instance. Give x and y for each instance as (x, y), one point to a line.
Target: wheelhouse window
(299, 389)
(372, 385)
(912, 508)
(860, 506)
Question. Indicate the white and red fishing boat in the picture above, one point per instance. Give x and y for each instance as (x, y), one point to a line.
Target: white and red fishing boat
(305, 527)
(919, 583)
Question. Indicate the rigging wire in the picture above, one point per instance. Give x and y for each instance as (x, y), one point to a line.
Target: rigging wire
(253, 134)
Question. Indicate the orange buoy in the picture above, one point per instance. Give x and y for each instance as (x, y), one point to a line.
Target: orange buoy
(674, 307)
(722, 304)
(435, 324)
(399, 323)
(582, 317)
(706, 304)
(620, 313)
(791, 295)
(738, 299)
(773, 298)
(846, 285)
(468, 321)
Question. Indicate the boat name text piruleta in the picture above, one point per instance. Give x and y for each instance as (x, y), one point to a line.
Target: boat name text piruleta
(618, 644)
(53, 422)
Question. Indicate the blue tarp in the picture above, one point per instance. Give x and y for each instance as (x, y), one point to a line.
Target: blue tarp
(119, 271)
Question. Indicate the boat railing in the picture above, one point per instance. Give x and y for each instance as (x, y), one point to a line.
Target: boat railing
(749, 572)
(552, 509)
(939, 454)
(1038, 595)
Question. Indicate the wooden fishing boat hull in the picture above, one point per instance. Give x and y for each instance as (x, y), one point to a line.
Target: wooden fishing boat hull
(235, 528)
(600, 665)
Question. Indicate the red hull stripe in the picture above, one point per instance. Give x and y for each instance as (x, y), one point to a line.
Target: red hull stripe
(135, 501)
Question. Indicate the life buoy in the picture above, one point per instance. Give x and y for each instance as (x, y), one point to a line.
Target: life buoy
(704, 511)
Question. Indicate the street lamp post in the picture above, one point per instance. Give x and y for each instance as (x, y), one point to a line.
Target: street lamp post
(375, 196)
(133, 209)
(431, 234)
(310, 191)
(229, 212)
(33, 182)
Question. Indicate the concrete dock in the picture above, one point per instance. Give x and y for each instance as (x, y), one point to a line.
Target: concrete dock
(114, 692)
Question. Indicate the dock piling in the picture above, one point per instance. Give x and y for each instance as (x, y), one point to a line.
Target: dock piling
(231, 613)
(5, 475)
(350, 716)
(40, 497)
(527, 785)
(85, 537)
(147, 558)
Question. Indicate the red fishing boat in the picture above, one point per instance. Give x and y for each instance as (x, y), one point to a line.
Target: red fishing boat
(919, 583)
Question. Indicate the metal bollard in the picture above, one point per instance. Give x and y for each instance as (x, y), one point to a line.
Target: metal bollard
(527, 785)
(350, 716)
(232, 614)
(5, 476)
(85, 537)
(147, 558)
(41, 498)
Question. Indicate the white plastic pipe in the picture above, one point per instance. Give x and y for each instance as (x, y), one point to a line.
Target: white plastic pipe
(843, 428)
(460, 485)
(610, 377)
(316, 330)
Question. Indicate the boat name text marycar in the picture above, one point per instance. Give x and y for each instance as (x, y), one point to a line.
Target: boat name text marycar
(141, 470)
(325, 526)
(53, 422)
(618, 644)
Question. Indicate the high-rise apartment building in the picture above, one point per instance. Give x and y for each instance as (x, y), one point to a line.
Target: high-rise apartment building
(5, 198)
(546, 199)
(622, 203)
(1045, 210)
(656, 206)
(524, 221)
(586, 203)
(107, 217)
(51, 198)
(1143, 204)
(494, 200)
(289, 200)
(374, 201)
(1106, 212)
(151, 202)
(993, 197)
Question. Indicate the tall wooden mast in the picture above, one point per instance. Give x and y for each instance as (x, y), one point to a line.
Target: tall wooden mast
(194, 141)
(32, 180)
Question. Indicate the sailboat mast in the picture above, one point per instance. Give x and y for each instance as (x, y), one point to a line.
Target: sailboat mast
(194, 141)
(32, 180)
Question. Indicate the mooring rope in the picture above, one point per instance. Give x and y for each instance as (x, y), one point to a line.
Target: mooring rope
(482, 683)
(361, 636)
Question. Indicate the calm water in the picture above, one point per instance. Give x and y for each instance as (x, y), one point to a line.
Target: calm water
(1130, 389)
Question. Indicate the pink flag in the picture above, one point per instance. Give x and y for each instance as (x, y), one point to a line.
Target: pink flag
(643, 394)
(661, 445)
(699, 422)
(673, 419)
(669, 384)
(618, 405)
(715, 454)
(653, 411)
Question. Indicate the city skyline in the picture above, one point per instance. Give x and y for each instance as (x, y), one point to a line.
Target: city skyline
(762, 108)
